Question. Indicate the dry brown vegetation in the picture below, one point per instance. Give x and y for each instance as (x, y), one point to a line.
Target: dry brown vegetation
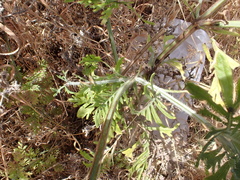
(61, 34)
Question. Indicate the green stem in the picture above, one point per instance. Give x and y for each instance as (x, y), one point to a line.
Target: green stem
(213, 9)
(171, 47)
(174, 101)
(191, 29)
(145, 48)
(105, 131)
(101, 82)
(228, 24)
(112, 41)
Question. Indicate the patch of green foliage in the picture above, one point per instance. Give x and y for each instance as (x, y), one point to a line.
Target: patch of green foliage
(227, 156)
(95, 99)
(37, 94)
(28, 161)
(106, 6)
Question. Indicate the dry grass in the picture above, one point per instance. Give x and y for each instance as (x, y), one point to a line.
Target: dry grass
(62, 34)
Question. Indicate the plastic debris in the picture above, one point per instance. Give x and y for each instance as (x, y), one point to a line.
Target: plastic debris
(192, 56)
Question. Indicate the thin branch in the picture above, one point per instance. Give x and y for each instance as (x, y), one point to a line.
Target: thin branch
(112, 41)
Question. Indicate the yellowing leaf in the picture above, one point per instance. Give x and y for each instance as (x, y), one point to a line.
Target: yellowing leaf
(224, 65)
(168, 131)
(208, 55)
(233, 64)
(129, 152)
(215, 91)
(118, 130)
(175, 63)
(222, 85)
(164, 130)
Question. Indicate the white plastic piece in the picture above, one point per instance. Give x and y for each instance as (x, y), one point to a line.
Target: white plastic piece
(191, 50)
(193, 57)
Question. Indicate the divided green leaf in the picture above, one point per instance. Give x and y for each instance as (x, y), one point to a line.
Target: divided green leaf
(202, 94)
